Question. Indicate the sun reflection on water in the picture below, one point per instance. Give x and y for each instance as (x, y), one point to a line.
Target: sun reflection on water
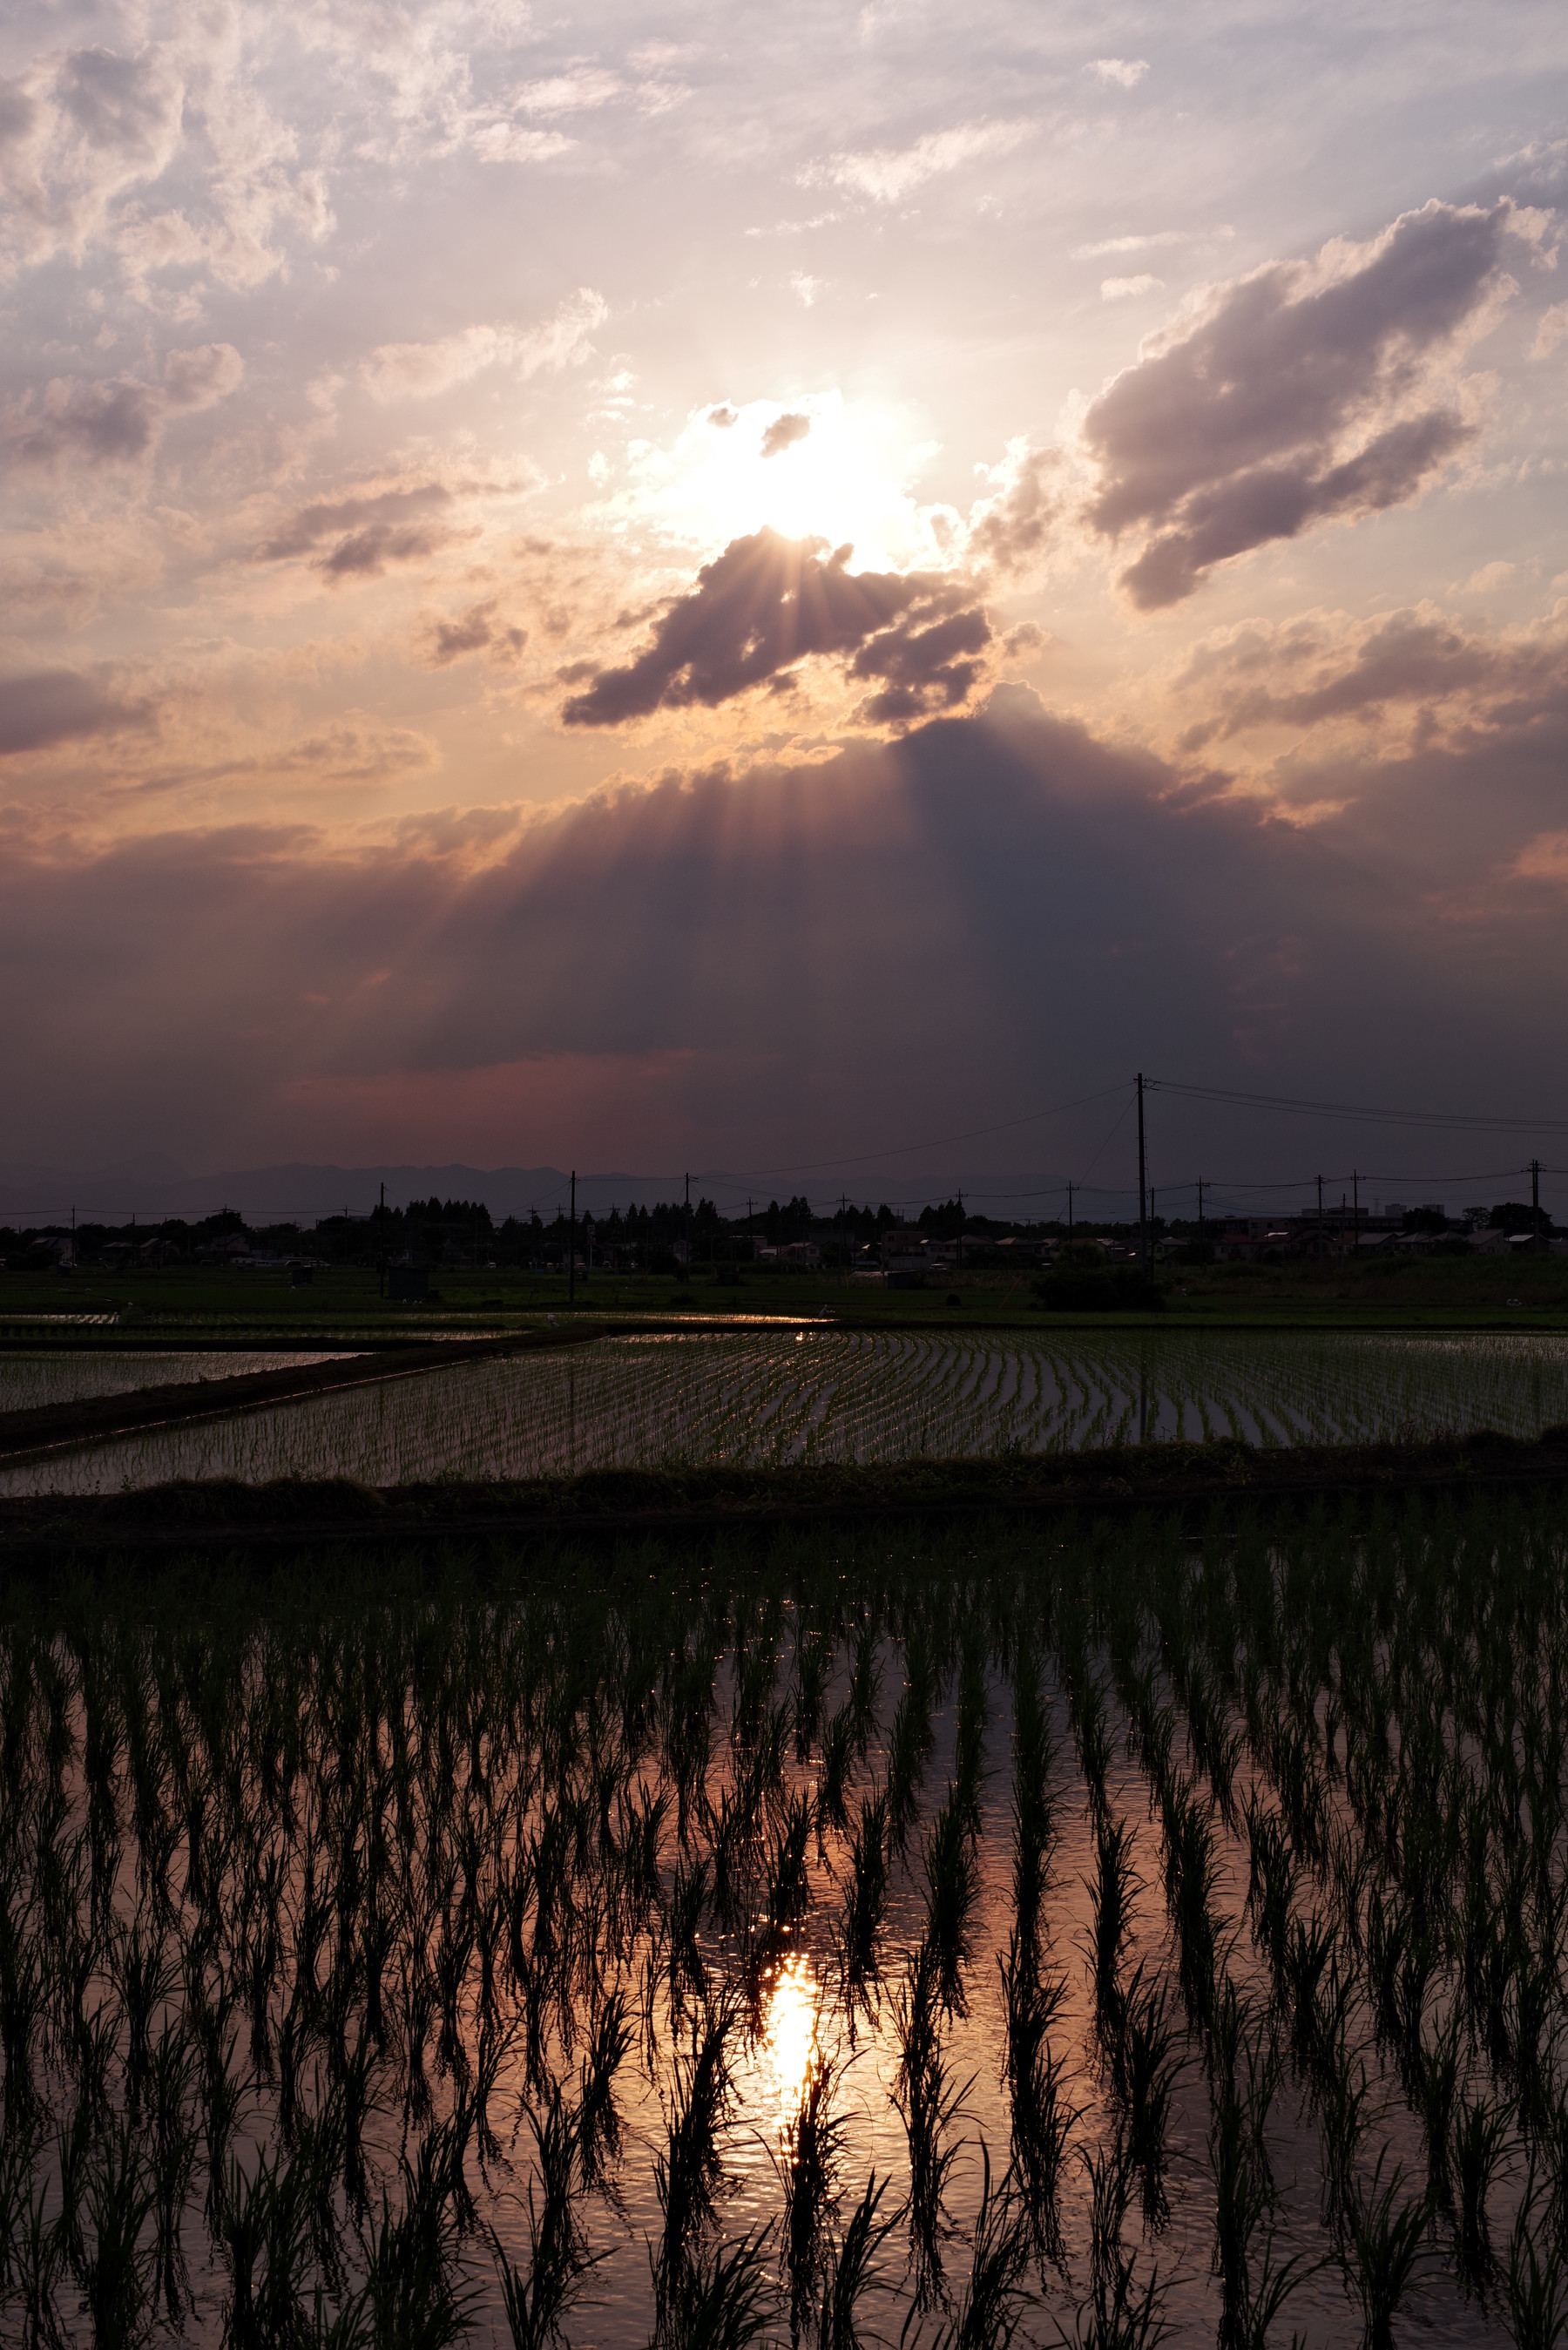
(790, 2030)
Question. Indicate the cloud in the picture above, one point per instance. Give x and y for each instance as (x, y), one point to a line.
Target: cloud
(1544, 858)
(1549, 333)
(60, 705)
(1125, 72)
(479, 629)
(575, 92)
(199, 379)
(1146, 243)
(82, 129)
(783, 433)
(509, 142)
(1013, 529)
(1123, 289)
(768, 603)
(887, 174)
(1303, 392)
(1408, 679)
(121, 420)
(724, 416)
(362, 536)
(798, 949)
(421, 370)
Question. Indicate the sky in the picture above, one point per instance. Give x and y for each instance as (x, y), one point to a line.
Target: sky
(783, 592)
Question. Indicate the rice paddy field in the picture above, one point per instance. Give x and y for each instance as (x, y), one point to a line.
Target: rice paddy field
(29, 1382)
(766, 1396)
(1086, 1930)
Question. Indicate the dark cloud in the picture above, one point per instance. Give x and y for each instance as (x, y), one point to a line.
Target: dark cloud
(724, 416)
(783, 432)
(1312, 672)
(88, 423)
(479, 629)
(359, 537)
(924, 665)
(768, 602)
(1303, 392)
(118, 421)
(119, 104)
(61, 706)
(18, 113)
(869, 948)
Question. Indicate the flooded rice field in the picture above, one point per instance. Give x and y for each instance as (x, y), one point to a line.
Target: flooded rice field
(1036, 1936)
(767, 1397)
(30, 1381)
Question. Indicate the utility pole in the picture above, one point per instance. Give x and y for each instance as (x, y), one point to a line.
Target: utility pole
(1535, 1207)
(1320, 1215)
(381, 1279)
(1201, 1212)
(689, 1224)
(572, 1246)
(1355, 1207)
(1142, 1217)
(960, 1231)
(1069, 1211)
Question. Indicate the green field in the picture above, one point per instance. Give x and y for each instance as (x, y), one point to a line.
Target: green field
(185, 1306)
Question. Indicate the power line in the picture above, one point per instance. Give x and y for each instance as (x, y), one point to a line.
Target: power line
(1293, 1106)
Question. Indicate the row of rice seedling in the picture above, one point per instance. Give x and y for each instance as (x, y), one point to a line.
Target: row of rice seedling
(1034, 1932)
(766, 1396)
(29, 1382)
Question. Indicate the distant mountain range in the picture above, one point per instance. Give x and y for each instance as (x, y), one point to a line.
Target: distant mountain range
(301, 1193)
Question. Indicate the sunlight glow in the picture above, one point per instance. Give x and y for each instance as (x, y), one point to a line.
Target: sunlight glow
(789, 2034)
(838, 470)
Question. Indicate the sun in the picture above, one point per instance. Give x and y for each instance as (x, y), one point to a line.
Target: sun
(821, 467)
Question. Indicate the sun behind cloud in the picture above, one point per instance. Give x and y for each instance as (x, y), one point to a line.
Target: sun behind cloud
(825, 465)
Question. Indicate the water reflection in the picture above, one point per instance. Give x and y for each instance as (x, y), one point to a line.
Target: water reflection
(790, 2032)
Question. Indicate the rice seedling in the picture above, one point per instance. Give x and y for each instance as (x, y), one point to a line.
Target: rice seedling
(952, 1887)
(326, 1884)
(910, 1743)
(813, 1663)
(1144, 2073)
(996, 2293)
(1111, 1893)
(864, 1685)
(865, 1910)
(686, 2175)
(537, 2299)
(1480, 2144)
(929, 2103)
(853, 2270)
(1386, 2232)
(833, 1779)
(729, 2301)
(1041, 2117)
(1536, 2285)
(1033, 1822)
(1114, 2316)
(809, 2165)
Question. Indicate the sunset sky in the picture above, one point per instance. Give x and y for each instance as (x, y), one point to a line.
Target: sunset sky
(745, 589)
